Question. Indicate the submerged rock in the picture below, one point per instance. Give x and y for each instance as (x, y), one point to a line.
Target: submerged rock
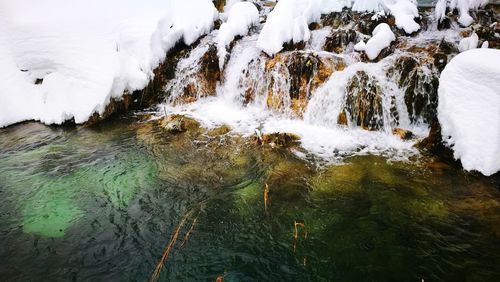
(178, 124)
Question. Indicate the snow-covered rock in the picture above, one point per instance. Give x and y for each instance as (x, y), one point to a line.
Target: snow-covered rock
(381, 39)
(241, 17)
(84, 53)
(469, 109)
(288, 22)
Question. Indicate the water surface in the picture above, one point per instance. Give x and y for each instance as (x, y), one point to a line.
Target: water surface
(102, 203)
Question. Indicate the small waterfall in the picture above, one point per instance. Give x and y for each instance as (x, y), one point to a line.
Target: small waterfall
(338, 103)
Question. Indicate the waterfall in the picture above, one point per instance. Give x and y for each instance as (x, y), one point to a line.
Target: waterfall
(336, 101)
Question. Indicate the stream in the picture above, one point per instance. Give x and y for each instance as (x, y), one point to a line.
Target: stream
(101, 204)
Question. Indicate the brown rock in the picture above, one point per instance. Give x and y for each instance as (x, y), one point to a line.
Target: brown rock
(338, 40)
(342, 119)
(402, 133)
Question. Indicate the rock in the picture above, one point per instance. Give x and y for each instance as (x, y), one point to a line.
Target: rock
(447, 48)
(222, 130)
(402, 133)
(293, 76)
(366, 25)
(440, 61)
(210, 73)
(420, 84)
(336, 20)
(219, 4)
(338, 40)
(444, 23)
(433, 144)
(342, 119)
(364, 102)
(178, 124)
(279, 139)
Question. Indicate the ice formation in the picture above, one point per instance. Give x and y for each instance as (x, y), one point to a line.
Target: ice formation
(463, 7)
(469, 109)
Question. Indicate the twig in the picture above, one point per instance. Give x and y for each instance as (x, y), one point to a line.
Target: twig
(169, 248)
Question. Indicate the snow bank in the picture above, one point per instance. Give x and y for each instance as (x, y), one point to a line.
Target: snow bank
(382, 38)
(463, 7)
(469, 109)
(241, 17)
(86, 52)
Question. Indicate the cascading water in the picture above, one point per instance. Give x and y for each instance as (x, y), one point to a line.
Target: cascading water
(338, 103)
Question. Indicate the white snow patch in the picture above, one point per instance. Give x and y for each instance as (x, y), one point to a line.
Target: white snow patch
(469, 109)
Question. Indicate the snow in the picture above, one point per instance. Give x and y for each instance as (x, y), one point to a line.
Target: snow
(405, 13)
(463, 7)
(241, 17)
(469, 109)
(382, 38)
(468, 43)
(86, 52)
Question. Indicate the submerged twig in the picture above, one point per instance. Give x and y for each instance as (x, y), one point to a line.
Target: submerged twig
(186, 237)
(266, 196)
(169, 247)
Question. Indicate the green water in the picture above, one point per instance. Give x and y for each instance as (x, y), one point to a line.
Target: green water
(101, 204)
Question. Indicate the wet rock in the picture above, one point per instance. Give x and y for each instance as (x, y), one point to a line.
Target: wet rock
(178, 124)
(342, 119)
(293, 76)
(337, 20)
(365, 23)
(210, 73)
(421, 86)
(447, 47)
(278, 139)
(338, 40)
(222, 130)
(433, 144)
(487, 33)
(440, 61)
(402, 133)
(444, 23)
(364, 102)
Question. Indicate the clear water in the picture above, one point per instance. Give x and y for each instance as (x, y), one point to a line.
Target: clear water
(102, 203)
